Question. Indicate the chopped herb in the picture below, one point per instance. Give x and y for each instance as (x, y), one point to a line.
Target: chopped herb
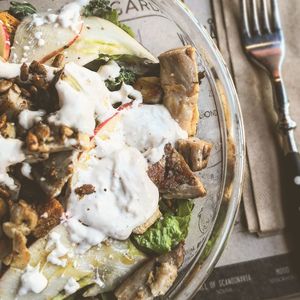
(103, 9)
(20, 10)
(125, 76)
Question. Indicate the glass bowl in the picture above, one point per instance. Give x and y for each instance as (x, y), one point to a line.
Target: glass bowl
(161, 25)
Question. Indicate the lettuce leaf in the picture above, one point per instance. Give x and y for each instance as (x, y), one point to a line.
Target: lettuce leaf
(20, 10)
(167, 232)
(138, 65)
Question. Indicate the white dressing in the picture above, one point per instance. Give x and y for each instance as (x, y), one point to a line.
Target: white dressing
(32, 280)
(124, 197)
(126, 94)
(149, 128)
(71, 286)
(10, 154)
(26, 170)
(59, 250)
(28, 118)
(84, 236)
(111, 70)
(68, 17)
(11, 70)
(83, 96)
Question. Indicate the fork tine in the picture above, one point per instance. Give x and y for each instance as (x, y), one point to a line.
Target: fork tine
(265, 17)
(256, 27)
(245, 21)
(276, 15)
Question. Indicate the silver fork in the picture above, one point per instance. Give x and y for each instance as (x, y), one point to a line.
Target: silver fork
(263, 42)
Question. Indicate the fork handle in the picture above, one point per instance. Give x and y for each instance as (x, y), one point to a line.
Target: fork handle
(292, 203)
(285, 123)
(292, 181)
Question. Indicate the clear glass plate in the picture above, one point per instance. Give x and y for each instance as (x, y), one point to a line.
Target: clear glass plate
(161, 25)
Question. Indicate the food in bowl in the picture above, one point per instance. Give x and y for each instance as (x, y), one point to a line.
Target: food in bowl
(98, 156)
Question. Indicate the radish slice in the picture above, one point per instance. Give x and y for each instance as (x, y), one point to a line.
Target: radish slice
(4, 42)
(40, 43)
(104, 123)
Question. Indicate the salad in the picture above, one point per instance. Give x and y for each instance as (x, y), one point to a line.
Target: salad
(98, 156)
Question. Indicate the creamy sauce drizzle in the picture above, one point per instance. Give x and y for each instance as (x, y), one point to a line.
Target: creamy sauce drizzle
(28, 118)
(32, 280)
(59, 250)
(68, 17)
(149, 128)
(124, 197)
(10, 154)
(109, 71)
(26, 170)
(83, 96)
(11, 70)
(71, 286)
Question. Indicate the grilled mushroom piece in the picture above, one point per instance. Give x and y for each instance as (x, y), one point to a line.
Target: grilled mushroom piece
(50, 213)
(150, 89)
(154, 278)
(196, 152)
(53, 173)
(174, 178)
(12, 102)
(180, 82)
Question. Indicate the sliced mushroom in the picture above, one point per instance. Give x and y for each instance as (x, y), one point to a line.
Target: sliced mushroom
(195, 152)
(23, 219)
(150, 88)
(53, 173)
(12, 102)
(153, 279)
(44, 138)
(7, 129)
(7, 193)
(49, 213)
(174, 178)
(179, 80)
(143, 228)
(35, 157)
(3, 208)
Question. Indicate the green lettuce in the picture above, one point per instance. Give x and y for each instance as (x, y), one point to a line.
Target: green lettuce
(167, 232)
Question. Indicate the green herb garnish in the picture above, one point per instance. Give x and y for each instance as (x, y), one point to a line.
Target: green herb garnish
(167, 232)
(103, 9)
(20, 10)
(126, 76)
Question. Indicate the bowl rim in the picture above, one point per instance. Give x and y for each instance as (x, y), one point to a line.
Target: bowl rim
(229, 207)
